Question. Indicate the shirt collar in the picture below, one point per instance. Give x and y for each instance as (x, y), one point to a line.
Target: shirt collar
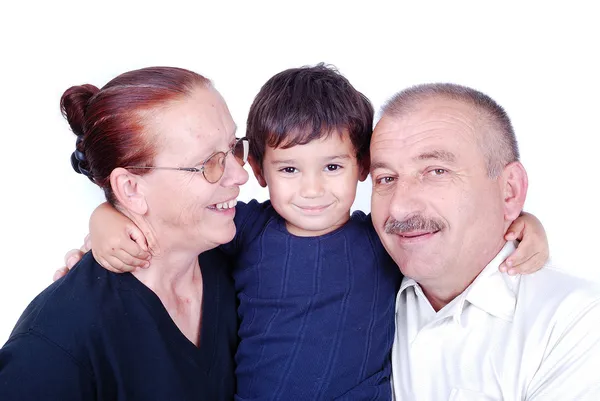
(495, 292)
(492, 291)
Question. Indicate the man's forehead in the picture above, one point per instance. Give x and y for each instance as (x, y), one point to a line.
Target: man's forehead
(431, 123)
(431, 110)
(392, 145)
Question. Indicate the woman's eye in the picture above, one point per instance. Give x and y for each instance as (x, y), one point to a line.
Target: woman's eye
(289, 170)
(333, 167)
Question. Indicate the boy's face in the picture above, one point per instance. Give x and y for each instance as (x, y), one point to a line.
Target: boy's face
(313, 186)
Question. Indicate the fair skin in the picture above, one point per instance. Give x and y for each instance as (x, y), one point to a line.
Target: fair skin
(321, 173)
(427, 165)
(312, 186)
(185, 223)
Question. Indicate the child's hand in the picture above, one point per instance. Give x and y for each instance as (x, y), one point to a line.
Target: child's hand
(532, 252)
(119, 245)
(72, 257)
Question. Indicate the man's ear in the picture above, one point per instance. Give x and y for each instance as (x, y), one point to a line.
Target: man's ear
(364, 164)
(257, 170)
(129, 191)
(515, 182)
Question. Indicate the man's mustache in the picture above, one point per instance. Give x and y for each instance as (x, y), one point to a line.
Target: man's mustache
(413, 223)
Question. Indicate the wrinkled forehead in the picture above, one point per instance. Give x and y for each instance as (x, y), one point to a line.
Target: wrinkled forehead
(435, 125)
(204, 111)
(194, 125)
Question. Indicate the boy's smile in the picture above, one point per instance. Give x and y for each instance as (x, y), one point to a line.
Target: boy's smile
(313, 210)
(313, 186)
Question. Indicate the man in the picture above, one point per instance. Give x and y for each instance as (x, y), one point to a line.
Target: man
(447, 182)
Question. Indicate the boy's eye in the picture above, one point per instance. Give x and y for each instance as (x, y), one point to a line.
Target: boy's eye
(289, 170)
(333, 167)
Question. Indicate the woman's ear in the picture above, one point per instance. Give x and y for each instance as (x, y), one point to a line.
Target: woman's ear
(129, 191)
(257, 170)
(515, 183)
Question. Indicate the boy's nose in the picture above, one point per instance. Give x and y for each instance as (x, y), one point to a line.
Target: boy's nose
(312, 186)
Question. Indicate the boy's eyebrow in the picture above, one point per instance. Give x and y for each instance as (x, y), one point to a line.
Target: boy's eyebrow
(342, 156)
(325, 159)
(288, 161)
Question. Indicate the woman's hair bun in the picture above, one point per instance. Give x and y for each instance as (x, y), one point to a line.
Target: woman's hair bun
(74, 103)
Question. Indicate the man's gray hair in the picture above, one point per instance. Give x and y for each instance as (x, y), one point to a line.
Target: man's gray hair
(497, 140)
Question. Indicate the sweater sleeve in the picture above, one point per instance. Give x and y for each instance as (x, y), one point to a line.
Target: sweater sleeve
(34, 368)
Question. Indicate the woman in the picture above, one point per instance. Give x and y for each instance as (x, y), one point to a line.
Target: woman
(166, 333)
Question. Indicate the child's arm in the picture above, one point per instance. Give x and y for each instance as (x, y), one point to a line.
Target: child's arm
(117, 244)
(120, 246)
(532, 252)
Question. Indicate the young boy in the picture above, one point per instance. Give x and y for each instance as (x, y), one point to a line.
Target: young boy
(316, 287)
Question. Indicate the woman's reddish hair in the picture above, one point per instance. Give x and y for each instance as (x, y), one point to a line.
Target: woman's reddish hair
(110, 121)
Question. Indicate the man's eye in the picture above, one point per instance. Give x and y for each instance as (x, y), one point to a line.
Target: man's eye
(289, 170)
(437, 172)
(384, 180)
(333, 167)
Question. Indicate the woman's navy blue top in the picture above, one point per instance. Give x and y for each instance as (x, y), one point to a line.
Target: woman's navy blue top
(96, 335)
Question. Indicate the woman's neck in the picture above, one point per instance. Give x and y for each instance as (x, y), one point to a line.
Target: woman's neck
(171, 271)
(175, 277)
(177, 281)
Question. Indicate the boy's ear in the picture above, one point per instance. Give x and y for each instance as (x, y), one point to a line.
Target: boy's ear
(364, 165)
(257, 170)
(515, 182)
(128, 190)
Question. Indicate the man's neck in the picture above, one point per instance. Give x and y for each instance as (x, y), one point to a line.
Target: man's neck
(442, 290)
(439, 299)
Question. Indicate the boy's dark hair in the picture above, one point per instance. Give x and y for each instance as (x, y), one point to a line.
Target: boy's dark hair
(300, 105)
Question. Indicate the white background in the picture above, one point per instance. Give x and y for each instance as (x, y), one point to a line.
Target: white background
(538, 60)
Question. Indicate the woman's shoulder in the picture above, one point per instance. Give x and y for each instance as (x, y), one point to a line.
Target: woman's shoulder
(71, 305)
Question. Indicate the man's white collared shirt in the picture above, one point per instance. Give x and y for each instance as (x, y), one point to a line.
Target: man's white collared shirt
(532, 337)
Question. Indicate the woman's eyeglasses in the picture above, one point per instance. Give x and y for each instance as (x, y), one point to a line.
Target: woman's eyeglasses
(214, 166)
